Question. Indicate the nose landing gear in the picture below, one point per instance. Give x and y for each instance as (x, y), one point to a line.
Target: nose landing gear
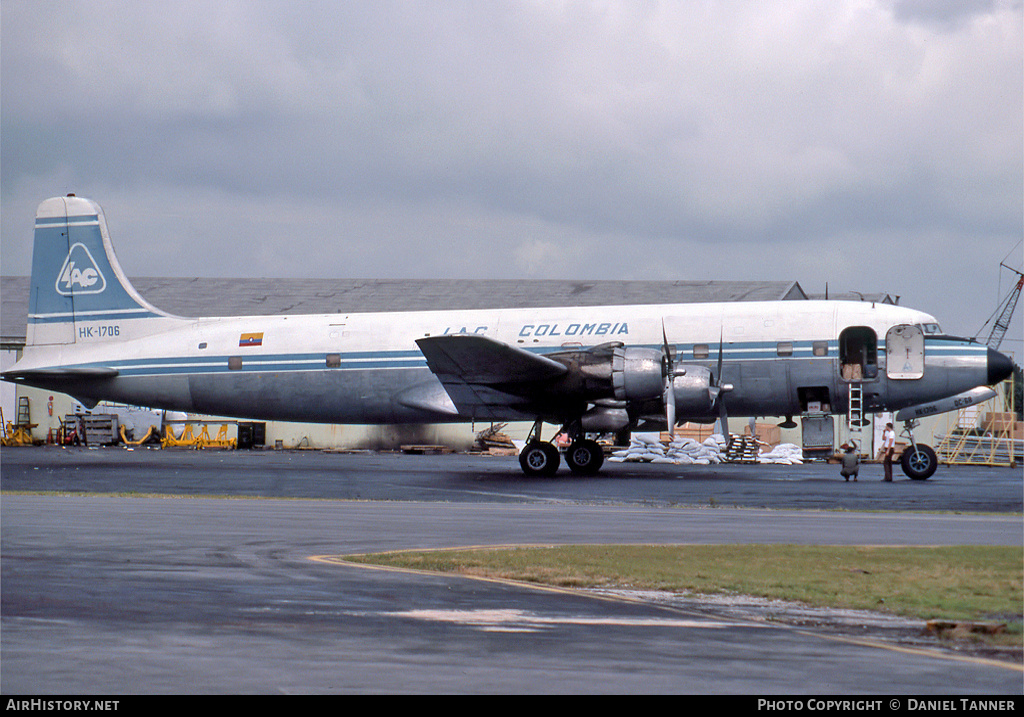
(919, 460)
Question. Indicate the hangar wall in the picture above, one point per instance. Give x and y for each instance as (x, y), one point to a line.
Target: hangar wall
(48, 408)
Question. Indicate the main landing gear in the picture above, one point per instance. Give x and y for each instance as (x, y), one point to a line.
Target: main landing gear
(541, 458)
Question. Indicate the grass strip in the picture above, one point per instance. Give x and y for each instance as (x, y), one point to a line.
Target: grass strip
(956, 582)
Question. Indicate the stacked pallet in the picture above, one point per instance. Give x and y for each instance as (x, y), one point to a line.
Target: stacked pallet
(100, 429)
(742, 449)
(493, 442)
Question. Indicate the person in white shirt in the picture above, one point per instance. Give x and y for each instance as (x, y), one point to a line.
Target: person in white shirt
(888, 449)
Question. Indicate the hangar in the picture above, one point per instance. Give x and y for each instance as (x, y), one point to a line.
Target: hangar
(239, 297)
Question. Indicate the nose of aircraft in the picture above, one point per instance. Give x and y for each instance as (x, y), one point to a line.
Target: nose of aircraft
(999, 367)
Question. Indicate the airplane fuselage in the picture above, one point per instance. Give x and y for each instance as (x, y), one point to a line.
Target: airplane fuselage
(366, 367)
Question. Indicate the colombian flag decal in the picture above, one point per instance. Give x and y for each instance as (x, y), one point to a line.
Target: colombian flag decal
(251, 339)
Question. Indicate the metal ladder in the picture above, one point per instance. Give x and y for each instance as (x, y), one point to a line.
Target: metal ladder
(855, 413)
(23, 417)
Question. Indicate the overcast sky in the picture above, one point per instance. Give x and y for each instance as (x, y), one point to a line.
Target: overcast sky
(875, 145)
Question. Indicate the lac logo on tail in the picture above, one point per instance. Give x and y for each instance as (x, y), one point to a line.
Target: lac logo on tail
(80, 273)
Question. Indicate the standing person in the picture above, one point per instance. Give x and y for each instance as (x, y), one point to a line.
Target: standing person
(888, 449)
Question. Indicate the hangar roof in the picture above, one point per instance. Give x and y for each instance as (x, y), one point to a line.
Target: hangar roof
(241, 297)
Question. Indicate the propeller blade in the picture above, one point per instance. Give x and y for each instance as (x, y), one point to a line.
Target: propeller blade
(670, 410)
(721, 346)
(724, 418)
(669, 398)
(670, 364)
(720, 389)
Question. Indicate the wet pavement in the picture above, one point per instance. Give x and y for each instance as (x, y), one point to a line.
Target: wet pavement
(122, 575)
(475, 478)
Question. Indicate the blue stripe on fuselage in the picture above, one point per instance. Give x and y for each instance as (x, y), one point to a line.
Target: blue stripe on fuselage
(280, 362)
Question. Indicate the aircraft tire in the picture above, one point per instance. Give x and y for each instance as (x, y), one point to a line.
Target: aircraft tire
(539, 459)
(584, 457)
(920, 462)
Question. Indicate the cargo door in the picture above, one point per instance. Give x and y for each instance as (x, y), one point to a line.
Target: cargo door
(858, 354)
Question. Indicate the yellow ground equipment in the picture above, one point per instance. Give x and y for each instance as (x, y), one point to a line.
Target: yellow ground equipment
(189, 438)
(149, 434)
(986, 434)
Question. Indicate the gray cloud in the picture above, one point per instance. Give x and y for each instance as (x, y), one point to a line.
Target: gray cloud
(876, 146)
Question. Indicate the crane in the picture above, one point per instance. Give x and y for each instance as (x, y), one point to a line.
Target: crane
(1005, 311)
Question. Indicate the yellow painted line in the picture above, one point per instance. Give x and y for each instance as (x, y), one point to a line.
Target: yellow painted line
(341, 560)
(923, 651)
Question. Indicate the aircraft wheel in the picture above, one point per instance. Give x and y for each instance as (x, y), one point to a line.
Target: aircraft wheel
(539, 458)
(584, 457)
(919, 462)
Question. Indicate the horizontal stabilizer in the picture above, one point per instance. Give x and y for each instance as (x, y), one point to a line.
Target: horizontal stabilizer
(481, 360)
(56, 374)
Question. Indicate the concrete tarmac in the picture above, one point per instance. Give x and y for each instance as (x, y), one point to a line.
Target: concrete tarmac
(106, 594)
(468, 478)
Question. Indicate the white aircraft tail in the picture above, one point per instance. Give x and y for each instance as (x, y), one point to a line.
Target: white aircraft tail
(79, 293)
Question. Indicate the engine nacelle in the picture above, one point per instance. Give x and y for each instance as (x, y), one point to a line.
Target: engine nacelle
(613, 371)
(638, 374)
(692, 390)
(604, 419)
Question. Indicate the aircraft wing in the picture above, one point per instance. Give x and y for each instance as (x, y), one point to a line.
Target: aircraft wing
(479, 372)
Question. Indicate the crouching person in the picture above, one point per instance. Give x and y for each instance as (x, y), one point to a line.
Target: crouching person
(850, 461)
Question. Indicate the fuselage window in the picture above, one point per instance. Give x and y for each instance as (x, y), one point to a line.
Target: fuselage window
(700, 351)
(785, 348)
(820, 348)
(333, 360)
(235, 363)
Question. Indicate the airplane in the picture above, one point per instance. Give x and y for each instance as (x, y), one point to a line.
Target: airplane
(589, 370)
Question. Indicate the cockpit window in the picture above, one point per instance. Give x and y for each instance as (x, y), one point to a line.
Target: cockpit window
(931, 328)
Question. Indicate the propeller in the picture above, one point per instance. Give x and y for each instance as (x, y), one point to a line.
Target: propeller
(719, 389)
(670, 394)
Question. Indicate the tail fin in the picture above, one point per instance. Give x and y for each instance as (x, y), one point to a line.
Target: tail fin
(78, 289)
